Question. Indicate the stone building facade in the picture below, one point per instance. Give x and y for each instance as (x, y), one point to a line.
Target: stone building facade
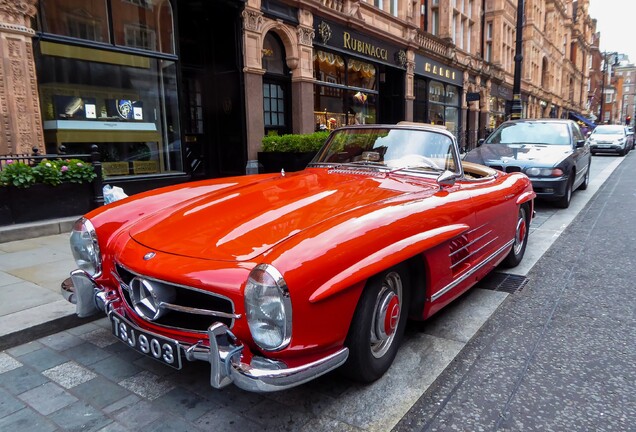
(200, 83)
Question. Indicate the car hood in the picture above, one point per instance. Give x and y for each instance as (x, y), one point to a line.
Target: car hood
(605, 137)
(241, 222)
(524, 155)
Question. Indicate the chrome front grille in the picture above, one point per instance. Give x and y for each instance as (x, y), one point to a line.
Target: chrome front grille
(190, 309)
(507, 168)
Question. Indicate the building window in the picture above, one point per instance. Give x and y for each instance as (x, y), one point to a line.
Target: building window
(84, 28)
(273, 105)
(435, 22)
(488, 52)
(608, 98)
(140, 37)
(394, 7)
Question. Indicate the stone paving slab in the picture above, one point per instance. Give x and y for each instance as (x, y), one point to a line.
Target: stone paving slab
(84, 379)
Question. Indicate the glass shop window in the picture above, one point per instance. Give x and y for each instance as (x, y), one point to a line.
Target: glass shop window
(143, 24)
(140, 24)
(82, 19)
(436, 92)
(329, 68)
(346, 91)
(126, 104)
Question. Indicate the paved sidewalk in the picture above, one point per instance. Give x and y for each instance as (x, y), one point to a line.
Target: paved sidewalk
(32, 267)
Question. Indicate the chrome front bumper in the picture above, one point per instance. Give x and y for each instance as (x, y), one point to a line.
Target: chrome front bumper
(223, 350)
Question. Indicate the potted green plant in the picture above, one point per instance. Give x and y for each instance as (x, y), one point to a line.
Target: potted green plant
(291, 152)
(50, 189)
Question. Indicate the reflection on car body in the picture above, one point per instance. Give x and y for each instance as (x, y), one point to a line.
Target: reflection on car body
(276, 279)
(553, 153)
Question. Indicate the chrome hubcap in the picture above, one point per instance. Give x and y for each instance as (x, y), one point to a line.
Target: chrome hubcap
(386, 314)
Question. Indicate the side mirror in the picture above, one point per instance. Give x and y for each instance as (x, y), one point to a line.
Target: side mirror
(480, 142)
(447, 178)
(580, 143)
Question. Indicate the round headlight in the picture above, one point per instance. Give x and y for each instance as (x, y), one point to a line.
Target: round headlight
(533, 172)
(85, 247)
(268, 308)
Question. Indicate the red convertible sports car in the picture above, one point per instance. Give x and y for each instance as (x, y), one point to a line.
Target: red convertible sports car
(275, 279)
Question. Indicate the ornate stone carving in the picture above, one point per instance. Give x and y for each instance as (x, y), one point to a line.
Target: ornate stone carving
(325, 32)
(15, 16)
(400, 58)
(20, 120)
(306, 36)
(252, 20)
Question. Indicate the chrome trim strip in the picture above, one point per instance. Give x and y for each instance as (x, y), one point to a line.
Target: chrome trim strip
(197, 311)
(473, 252)
(177, 285)
(472, 271)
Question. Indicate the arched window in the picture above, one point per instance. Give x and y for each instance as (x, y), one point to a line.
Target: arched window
(273, 55)
(276, 86)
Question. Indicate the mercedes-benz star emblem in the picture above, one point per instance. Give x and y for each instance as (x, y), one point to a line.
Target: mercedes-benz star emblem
(147, 297)
(149, 255)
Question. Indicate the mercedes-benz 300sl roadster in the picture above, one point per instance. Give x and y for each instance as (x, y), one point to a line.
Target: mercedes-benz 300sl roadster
(276, 279)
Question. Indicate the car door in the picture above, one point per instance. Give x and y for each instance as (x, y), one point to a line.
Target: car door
(581, 155)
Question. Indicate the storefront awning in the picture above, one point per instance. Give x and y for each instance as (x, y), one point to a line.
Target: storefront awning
(588, 123)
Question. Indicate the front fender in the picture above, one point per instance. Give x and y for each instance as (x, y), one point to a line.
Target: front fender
(386, 257)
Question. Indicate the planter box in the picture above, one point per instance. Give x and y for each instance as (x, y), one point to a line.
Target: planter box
(41, 202)
(273, 162)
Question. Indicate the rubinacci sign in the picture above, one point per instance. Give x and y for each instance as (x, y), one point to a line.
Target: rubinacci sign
(433, 69)
(342, 39)
(365, 48)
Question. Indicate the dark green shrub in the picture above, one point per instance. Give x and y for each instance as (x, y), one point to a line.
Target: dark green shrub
(294, 143)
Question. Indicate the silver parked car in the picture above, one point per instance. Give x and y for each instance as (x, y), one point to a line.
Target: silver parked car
(610, 139)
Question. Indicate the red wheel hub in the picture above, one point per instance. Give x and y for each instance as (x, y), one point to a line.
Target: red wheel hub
(392, 315)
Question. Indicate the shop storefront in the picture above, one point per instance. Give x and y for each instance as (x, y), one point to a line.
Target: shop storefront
(359, 80)
(109, 74)
(500, 104)
(437, 94)
(112, 83)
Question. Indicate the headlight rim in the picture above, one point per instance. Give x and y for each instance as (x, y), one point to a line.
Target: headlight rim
(92, 232)
(281, 285)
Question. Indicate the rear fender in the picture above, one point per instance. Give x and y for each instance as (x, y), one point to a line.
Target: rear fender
(384, 258)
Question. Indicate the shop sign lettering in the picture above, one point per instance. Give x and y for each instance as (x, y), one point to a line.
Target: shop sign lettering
(439, 71)
(364, 47)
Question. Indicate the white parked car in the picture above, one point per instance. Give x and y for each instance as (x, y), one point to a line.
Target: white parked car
(611, 139)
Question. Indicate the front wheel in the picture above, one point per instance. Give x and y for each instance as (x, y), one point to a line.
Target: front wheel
(378, 325)
(564, 201)
(515, 255)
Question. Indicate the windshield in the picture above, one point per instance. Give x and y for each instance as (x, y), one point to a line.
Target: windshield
(393, 149)
(609, 130)
(531, 133)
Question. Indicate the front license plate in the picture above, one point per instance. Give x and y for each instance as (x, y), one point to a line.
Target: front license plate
(165, 350)
(603, 146)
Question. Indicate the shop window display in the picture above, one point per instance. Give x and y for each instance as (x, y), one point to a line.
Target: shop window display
(123, 101)
(346, 91)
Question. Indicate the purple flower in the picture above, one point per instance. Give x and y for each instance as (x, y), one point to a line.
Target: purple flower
(10, 161)
(64, 168)
(79, 164)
